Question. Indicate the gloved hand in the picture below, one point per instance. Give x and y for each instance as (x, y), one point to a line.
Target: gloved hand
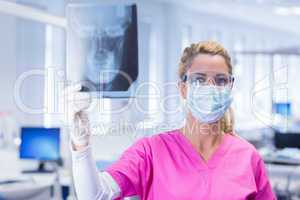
(76, 117)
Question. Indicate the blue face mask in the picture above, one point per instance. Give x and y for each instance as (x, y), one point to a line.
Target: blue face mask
(208, 103)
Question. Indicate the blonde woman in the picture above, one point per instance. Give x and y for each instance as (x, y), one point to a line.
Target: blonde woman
(204, 160)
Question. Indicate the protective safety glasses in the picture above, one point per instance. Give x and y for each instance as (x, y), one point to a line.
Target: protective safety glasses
(204, 78)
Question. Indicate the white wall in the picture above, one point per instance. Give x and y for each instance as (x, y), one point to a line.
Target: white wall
(21, 50)
(161, 33)
(8, 61)
(167, 21)
(234, 34)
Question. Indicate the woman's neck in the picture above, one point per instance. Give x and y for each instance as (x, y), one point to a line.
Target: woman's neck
(204, 137)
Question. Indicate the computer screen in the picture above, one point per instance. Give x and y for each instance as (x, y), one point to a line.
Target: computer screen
(286, 139)
(282, 108)
(40, 143)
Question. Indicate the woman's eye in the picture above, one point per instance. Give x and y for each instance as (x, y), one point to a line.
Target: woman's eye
(200, 80)
(221, 81)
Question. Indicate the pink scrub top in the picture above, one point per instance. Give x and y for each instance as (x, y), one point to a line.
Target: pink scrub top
(167, 167)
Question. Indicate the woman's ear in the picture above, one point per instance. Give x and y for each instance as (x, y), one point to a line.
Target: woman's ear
(182, 89)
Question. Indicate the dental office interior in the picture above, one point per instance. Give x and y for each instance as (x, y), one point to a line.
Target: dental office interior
(37, 64)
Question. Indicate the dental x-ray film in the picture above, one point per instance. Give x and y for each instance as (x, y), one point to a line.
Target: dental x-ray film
(102, 46)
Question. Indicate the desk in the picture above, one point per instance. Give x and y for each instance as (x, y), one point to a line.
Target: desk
(27, 190)
(282, 161)
(37, 184)
(285, 177)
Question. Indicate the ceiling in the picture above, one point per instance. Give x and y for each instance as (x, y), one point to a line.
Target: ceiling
(257, 2)
(260, 12)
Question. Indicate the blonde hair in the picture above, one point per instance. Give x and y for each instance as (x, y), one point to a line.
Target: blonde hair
(211, 48)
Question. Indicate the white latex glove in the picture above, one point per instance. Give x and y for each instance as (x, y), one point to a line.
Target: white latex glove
(76, 118)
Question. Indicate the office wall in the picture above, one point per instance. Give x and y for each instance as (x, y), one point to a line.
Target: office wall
(16, 59)
(21, 50)
(174, 24)
(235, 35)
(163, 30)
(24, 53)
(8, 61)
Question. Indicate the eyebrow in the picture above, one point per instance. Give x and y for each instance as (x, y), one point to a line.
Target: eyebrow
(199, 73)
(203, 73)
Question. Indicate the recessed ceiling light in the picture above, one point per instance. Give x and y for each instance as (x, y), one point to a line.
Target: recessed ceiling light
(295, 10)
(281, 11)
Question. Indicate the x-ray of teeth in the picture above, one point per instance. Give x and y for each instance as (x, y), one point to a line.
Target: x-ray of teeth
(102, 47)
(104, 54)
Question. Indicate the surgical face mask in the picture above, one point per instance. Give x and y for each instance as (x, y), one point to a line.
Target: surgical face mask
(208, 103)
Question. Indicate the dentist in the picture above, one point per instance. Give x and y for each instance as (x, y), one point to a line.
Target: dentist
(203, 160)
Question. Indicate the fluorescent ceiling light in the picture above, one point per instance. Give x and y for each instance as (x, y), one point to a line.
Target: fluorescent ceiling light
(295, 10)
(26, 12)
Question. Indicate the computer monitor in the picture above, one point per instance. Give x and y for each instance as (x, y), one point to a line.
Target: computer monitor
(40, 143)
(286, 139)
(283, 109)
